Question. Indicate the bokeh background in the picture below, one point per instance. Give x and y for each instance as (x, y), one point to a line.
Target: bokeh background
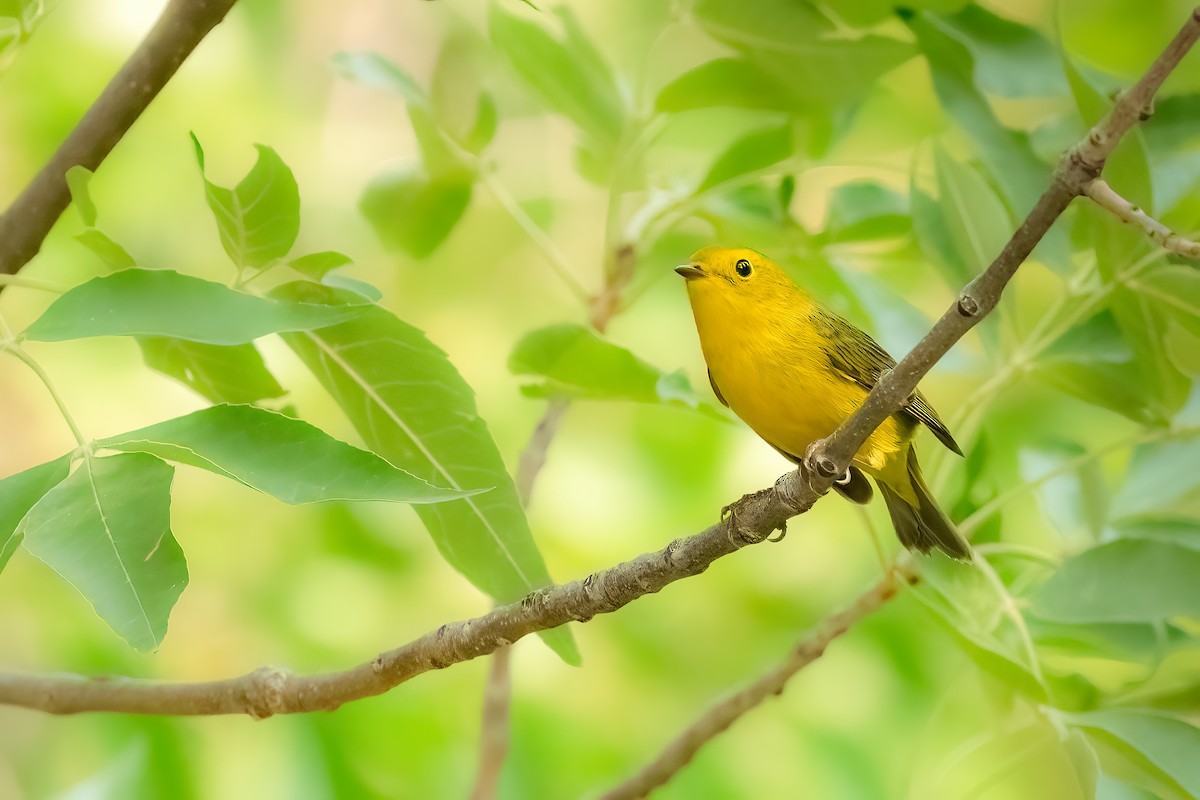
(880, 199)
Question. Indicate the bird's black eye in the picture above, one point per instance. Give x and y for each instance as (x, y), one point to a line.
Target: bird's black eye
(742, 267)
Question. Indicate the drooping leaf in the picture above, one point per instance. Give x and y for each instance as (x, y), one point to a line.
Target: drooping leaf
(1011, 59)
(284, 457)
(578, 362)
(152, 302)
(1007, 154)
(372, 69)
(315, 265)
(1160, 743)
(222, 373)
(18, 493)
(111, 254)
(754, 151)
(410, 404)
(78, 178)
(413, 212)
(864, 210)
(566, 73)
(977, 220)
(1128, 580)
(1159, 474)
(106, 529)
(258, 219)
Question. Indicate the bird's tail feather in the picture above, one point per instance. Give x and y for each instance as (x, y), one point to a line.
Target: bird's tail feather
(924, 526)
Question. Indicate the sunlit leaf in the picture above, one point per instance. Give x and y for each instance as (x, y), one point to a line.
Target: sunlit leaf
(413, 212)
(144, 302)
(18, 493)
(977, 220)
(732, 82)
(1128, 580)
(222, 373)
(411, 406)
(1011, 60)
(486, 122)
(258, 219)
(1167, 745)
(286, 458)
(111, 254)
(315, 265)
(578, 362)
(77, 183)
(106, 530)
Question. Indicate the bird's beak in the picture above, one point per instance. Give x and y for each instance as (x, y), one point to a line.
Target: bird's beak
(691, 272)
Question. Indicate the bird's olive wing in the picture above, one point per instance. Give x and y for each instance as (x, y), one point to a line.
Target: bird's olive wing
(860, 360)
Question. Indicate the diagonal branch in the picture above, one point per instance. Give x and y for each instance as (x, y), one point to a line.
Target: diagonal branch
(183, 24)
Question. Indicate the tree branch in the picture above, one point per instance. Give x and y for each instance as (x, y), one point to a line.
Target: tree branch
(1108, 199)
(750, 520)
(183, 24)
(725, 712)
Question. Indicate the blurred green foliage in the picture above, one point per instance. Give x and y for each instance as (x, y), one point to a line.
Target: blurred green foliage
(496, 177)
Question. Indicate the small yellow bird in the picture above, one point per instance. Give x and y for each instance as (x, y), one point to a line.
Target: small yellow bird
(794, 371)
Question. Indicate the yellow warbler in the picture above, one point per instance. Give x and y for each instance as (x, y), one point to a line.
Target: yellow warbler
(794, 371)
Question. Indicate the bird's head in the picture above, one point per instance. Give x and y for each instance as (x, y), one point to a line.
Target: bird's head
(737, 276)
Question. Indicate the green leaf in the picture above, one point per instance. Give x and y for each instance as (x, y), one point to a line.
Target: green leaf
(1011, 60)
(1128, 580)
(315, 265)
(486, 122)
(77, 184)
(109, 252)
(865, 210)
(221, 373)
(1073, 500)
(106, 529)
(258, 219)
(1164, 744)
(413, 212)
(578, 362)
(372, 69)
(1007, 154)
(769, 24)
(361, 288)
(411, 406)
(731, 82)
(1094, 362)
(1173, 146)
(867, 13)
(754, 151)
(18, 493)
(145, 302)
(976, 219)
(567, 74)
(286, 458)
(1159, 474)
(1175, 288)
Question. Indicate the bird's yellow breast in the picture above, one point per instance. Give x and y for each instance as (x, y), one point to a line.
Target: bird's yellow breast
(771, 365)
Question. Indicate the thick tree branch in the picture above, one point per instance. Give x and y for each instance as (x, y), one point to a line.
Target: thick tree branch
(271, 690)
(724, 713)
(1105, 197)
(183, 24)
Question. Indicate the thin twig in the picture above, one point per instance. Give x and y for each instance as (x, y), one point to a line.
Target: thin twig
(533, 457)
(724, 713)
(1107, 198)
(183, 24)
(494, 735)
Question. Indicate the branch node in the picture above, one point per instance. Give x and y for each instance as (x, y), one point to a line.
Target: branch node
(266, 691)
(968, 306)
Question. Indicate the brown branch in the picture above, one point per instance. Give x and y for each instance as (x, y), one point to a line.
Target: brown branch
(1108, 199)
(183, 24)
(271, 690)
(493, 735)
(727, 711)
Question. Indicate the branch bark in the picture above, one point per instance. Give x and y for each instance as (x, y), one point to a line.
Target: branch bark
(183, 24)
(1107, 198)
(750, 520)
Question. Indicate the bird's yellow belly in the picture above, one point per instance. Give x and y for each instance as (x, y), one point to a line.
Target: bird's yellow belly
(794, 403)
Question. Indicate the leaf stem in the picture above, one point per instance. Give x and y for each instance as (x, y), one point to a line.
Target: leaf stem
(30, 283)
(29, 361)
